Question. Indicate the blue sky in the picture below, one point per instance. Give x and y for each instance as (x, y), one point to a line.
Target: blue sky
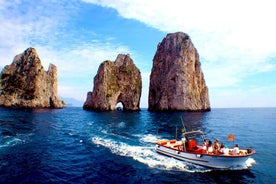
(235, 40)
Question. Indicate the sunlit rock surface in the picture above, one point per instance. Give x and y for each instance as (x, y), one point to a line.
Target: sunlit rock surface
(176, 81)
(115, 82)
(25, 83)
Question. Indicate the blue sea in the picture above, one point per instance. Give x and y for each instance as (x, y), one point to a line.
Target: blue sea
(75, 146)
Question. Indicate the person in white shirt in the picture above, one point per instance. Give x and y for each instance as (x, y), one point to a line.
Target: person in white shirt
(236, 150)
(204, 146)
(210, 147)
(222, 149)
(185, 142)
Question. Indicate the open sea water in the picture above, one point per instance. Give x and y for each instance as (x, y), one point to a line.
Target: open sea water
(75, 146)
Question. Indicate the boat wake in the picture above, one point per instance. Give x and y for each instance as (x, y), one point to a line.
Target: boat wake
(149, 138)
(147, 155)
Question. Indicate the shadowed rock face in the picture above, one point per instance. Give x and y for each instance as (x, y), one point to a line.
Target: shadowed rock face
(176, 80)
(25, 83)
(115, 82)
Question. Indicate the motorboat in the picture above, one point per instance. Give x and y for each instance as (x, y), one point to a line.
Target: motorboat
(191, 149)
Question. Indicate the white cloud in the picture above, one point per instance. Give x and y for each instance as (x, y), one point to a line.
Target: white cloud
(235, 39)
(25, 24)
(83, 58)
(225, 32)
(145, 86)
(41, 25)
(77, 66)
(254, 96)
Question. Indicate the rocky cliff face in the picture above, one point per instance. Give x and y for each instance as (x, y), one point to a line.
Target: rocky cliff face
(115, 82)
(176, 80)
(26, 84)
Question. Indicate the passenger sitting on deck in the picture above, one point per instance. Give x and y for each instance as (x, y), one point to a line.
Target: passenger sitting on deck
(236, 150)
(204, 147)
(210, 147)
(205, 144)
(185, 142)
(216, 146)
(222, 149)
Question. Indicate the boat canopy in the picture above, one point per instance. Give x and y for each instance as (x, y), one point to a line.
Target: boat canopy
(193, 134)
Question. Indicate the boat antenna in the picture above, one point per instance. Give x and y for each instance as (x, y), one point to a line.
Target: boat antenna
(183, 124)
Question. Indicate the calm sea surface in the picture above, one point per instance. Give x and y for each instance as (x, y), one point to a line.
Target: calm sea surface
(75, 146)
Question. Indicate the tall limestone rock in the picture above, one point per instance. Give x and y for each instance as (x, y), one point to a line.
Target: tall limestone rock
(115, 82)
(25, 83)
(176, 81)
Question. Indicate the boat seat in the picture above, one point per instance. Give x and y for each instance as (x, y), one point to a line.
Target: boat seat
(198, 151)
(192, 144)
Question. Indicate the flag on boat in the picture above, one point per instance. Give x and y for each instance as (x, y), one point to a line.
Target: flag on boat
(231, 137)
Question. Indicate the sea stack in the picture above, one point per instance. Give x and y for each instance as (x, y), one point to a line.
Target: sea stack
(25, 83)
(176, 81)
(115, 82)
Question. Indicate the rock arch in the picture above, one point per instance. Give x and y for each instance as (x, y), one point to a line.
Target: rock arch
(118, 81)
(119, 106)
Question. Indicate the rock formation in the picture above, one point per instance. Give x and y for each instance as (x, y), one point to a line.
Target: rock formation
(176, 81)
(25, 83)
(115, 82)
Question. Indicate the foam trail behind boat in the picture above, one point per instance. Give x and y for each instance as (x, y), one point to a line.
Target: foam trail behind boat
(149, 138)
(146, 155)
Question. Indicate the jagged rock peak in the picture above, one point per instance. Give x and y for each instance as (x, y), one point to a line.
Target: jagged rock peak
(115, 82)
(25, 83)
(177, 81)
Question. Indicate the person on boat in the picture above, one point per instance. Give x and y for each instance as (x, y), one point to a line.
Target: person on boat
(185, 142)
(210, 147)
(216, 146)
(236, 150)
(205, 144)
(222, 149)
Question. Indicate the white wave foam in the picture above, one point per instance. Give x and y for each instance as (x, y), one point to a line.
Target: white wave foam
(71, 134)
(146, 155)
(117, 135)
(90, 123)
(12, 142)
(149, 138)
(9, 141)
(122, 124)
(250, 162)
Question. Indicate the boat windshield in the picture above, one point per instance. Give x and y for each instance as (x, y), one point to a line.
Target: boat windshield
(197, 135)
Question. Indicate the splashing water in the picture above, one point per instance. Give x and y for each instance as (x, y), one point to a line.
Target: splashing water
(147, 155)
(149, 138)
(9, 141)
(250, 162)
